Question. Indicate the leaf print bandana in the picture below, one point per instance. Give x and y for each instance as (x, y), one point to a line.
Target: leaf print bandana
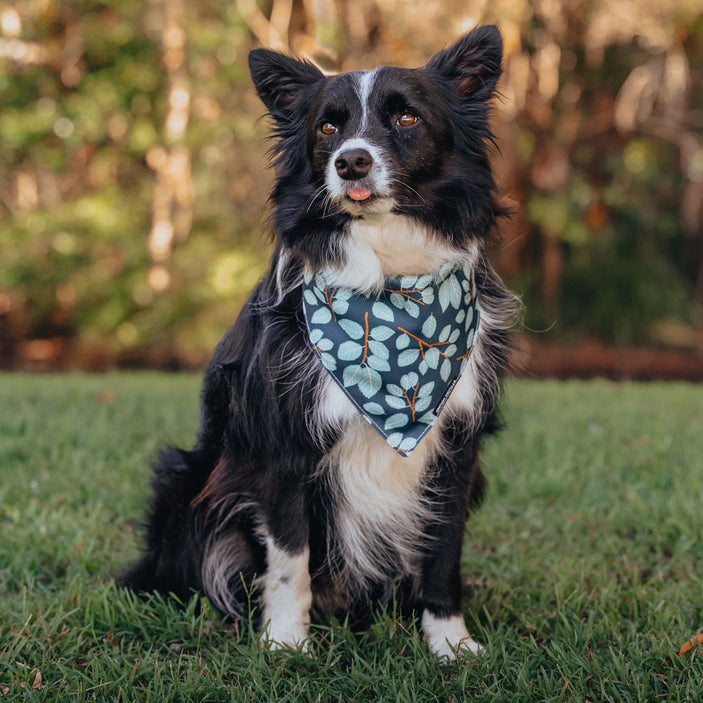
(397, 355)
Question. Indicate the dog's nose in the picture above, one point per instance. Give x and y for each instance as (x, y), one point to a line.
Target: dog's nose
(353, 164)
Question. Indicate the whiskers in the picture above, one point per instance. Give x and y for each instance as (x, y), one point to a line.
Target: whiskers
(404, 185)
(327, 202)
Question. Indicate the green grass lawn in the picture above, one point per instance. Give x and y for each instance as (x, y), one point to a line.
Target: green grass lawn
(585, 563)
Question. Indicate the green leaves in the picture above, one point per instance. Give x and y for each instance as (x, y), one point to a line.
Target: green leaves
(409, 380)
(353, 329)
(396, 421)
(445, 370)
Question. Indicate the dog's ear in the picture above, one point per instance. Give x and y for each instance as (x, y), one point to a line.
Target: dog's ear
(473, 63)
(281, 80)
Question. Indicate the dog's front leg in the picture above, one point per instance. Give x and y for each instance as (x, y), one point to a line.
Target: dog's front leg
(442, 621)
(287, 596)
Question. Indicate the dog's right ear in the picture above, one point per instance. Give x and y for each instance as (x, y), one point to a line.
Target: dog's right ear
(281, 81)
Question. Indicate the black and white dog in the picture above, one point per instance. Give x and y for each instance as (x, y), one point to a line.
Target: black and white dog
(382, 184)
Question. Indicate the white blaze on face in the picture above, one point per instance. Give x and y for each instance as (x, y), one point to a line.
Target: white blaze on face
(366, 80)
(377, 183)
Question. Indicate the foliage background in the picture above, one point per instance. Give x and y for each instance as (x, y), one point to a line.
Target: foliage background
(133, 179)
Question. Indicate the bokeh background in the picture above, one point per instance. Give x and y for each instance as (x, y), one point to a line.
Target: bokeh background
(133, 176)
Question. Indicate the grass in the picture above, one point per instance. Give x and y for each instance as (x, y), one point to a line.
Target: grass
(585, 562)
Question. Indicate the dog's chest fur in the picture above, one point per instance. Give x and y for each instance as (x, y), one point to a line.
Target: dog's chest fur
(381, 510)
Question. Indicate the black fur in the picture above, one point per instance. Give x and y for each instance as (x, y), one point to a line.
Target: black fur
(258, 465)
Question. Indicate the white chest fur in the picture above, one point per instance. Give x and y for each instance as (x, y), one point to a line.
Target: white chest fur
(380, 510)
(391, 245)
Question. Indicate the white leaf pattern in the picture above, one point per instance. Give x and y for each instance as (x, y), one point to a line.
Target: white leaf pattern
(402, 341)
(409, 380)
(408, 357)
(378, 363)
(321, 316)
(429, 327)
(353, 329)
(396, 421)
(379, 349)
(412, 308)
(349, 351)
(382, 312)
(382, 333)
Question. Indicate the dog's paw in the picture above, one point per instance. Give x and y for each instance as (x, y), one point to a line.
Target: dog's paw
(285, 633)
(448, 637)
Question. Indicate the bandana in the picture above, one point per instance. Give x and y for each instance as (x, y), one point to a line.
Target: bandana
(397, 354)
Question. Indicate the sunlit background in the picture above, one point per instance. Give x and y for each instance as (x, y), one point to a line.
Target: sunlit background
(133, 176)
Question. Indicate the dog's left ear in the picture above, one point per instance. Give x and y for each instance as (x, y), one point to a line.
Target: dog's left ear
(473, 63)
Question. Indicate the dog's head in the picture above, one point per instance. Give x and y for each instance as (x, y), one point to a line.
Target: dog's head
(408, 141)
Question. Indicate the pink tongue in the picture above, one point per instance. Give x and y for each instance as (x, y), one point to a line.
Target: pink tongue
(359, 194)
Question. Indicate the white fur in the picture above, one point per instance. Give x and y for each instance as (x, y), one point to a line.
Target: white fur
(331, 410)
(285, 283)
(380, 513)
(334, 407)
(466, 399)
(378, 505)
(287, 597)
(222, 559)
(366, 80)
(448, 638)
(280, 276)
(379, 246)
(378, 180)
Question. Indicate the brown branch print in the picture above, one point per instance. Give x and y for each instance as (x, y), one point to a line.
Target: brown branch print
(411, 403)
(422, 343)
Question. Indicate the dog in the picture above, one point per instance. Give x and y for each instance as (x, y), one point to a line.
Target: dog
(341, 415)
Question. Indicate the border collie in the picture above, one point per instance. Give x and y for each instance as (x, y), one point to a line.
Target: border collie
(341, 416)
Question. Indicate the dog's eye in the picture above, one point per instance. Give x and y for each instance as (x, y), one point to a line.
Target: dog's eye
(407, 119)
(328, 128)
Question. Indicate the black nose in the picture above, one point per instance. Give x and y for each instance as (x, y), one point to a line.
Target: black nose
(353, 164)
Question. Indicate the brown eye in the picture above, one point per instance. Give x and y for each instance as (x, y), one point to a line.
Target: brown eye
(407, 119)
(328, 128)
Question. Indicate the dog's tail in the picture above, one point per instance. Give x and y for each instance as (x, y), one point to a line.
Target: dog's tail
(171, 562)
(198, 537)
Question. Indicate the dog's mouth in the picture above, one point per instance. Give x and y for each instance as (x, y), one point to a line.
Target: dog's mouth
(360, 201)
(362, 197)
(359, 194)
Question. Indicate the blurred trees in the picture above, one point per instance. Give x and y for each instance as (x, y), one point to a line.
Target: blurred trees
(133, 181)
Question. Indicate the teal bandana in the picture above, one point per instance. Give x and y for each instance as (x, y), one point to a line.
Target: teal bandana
(397, 354)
